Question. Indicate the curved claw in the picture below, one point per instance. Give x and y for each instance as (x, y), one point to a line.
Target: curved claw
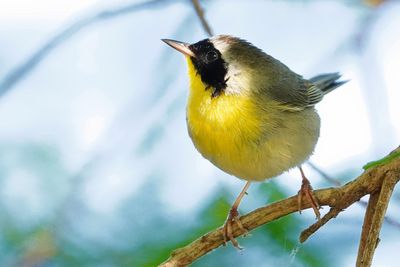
(307, 190)
(233, 217)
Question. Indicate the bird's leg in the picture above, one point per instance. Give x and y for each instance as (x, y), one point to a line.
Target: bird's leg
(233, 217)
(306, 189)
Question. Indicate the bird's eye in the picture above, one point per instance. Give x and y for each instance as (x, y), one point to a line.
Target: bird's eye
(211, 56)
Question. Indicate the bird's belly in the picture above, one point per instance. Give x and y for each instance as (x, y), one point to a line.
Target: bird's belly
(244, 138)
(235, 148)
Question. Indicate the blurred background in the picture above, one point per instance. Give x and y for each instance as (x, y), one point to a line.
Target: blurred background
(97, 168)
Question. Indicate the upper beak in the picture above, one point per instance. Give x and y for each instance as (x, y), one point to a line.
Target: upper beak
(180, 46)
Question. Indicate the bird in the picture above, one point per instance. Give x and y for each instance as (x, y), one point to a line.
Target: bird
(251, 115)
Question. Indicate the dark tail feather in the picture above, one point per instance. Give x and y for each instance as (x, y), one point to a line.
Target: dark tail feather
(327, 82)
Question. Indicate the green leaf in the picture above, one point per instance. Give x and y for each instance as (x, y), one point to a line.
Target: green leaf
(382, 161)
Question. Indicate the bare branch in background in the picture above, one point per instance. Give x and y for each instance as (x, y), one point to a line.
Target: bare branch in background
(19, 72)
(379, 179)
(324, 174)
(200, 14)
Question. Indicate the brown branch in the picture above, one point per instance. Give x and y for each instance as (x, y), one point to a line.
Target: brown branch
(373, 220)
(369, 182)
(373, 200)
(200, 13)
(332, 213)
(362, 203)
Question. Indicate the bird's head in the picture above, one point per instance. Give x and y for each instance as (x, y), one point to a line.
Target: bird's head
(219, 60)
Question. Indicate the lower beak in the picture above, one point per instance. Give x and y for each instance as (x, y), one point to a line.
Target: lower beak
(180, 46)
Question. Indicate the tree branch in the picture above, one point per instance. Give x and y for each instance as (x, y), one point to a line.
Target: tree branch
(370, 182)
(336, 182)
(373, 199)
(200, 14)
(332, 213)
(373, 220)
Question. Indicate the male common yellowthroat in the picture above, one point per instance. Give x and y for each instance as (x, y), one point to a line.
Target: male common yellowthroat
(249, 114)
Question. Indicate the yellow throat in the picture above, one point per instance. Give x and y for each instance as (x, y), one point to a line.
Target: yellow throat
(224, 128)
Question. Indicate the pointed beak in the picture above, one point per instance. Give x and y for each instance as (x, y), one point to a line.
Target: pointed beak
(180, 46)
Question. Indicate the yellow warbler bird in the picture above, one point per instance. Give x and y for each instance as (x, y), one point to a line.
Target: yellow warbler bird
(249, 114)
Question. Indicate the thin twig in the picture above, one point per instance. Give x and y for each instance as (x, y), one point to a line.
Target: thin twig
(367, 183)
(200, 13)
(19, 72)
(305, 234)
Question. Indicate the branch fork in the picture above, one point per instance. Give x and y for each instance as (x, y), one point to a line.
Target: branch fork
(377, 181)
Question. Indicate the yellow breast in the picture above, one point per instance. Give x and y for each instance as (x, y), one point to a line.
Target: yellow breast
(229, 131)
(222, 128)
